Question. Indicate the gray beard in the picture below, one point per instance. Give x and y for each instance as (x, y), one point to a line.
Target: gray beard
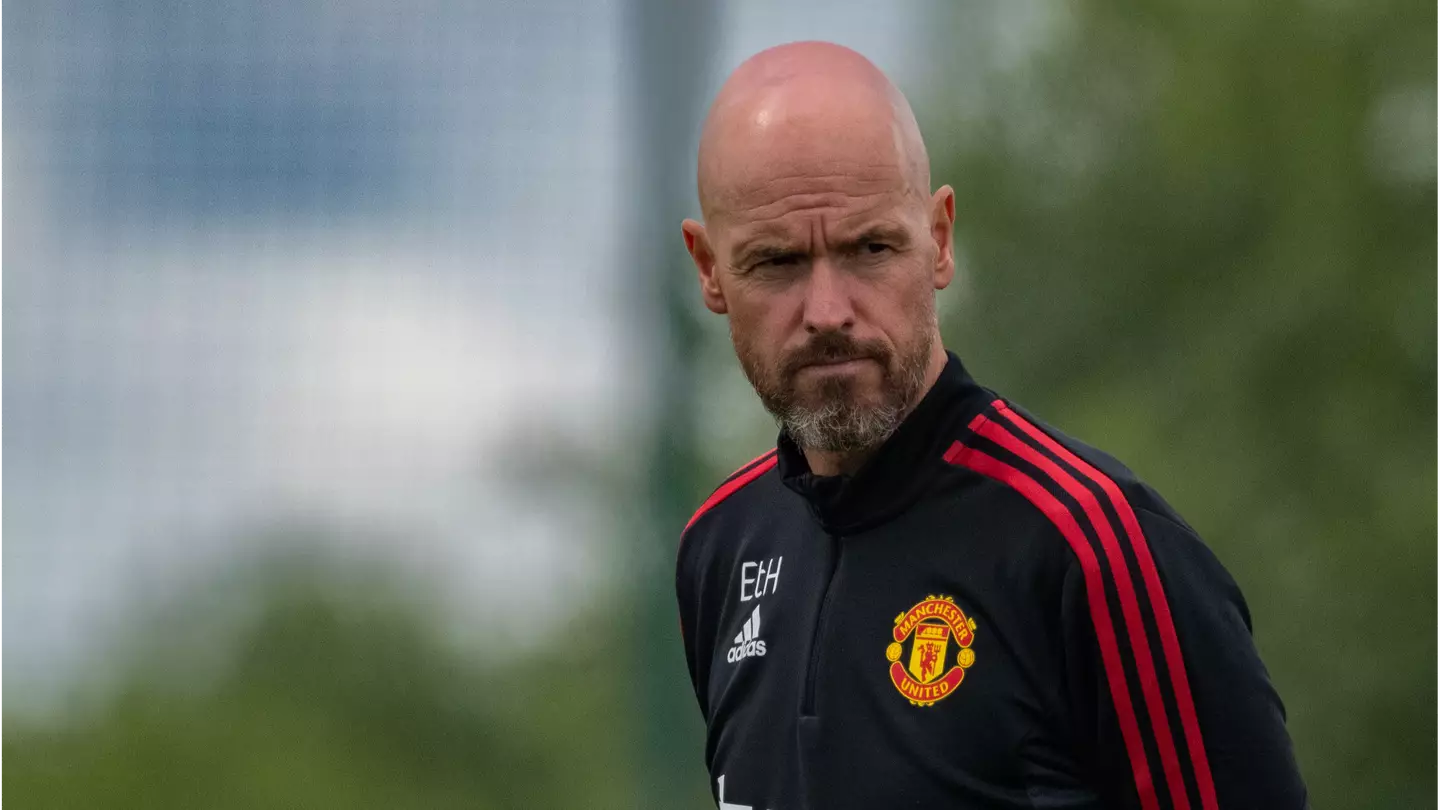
(839, 425)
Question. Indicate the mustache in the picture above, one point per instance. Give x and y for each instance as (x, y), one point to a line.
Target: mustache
(834, 347)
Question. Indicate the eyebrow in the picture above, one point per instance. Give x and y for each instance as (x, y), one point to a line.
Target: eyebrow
(881, 232)
(758, 251)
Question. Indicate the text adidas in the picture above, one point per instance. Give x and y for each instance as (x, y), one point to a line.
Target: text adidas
(755, 647)
(747, 642)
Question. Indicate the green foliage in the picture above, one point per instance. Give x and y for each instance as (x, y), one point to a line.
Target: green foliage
(335, 695)
(1202, 237)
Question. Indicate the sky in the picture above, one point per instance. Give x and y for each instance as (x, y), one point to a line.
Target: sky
(324, 264)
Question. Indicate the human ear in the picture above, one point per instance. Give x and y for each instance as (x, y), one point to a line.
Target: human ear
(698, 243)
(942, 230)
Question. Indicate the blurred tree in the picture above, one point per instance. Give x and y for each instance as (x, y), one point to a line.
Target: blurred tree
(1202, 238)
(337, 691)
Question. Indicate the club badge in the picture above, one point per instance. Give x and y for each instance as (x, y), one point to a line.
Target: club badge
(927, 631)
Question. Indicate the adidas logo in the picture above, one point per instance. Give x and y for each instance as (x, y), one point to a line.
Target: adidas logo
(747, 642)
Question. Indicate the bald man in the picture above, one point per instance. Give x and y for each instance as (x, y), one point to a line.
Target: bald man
(924, 596)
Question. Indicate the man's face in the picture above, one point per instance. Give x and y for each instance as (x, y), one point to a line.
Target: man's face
(827, 272)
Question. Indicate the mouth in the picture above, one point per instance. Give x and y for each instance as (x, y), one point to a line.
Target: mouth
(837, 364)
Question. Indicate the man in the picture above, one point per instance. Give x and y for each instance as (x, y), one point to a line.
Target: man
(924, 596)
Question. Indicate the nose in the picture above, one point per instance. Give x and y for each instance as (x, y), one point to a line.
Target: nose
(827, 300)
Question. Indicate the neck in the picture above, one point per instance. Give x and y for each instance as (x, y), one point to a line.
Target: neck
(825, 462)
(846, 462)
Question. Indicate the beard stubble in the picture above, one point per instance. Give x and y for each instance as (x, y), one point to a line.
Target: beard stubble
(836, 417)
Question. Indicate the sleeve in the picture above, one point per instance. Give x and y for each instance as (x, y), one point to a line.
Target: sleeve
(687, 594)
(1172, 699)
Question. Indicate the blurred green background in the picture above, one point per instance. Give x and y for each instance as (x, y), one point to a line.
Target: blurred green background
(1199, 236)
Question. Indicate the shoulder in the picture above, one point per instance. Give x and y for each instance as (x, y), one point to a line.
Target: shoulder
(737, 501)
(751, 471)
(1144, 600)
(1086, 495)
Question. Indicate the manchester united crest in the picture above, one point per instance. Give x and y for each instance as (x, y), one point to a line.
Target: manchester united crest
(932, 631)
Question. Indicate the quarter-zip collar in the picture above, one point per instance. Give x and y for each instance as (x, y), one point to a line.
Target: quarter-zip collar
(897, 473)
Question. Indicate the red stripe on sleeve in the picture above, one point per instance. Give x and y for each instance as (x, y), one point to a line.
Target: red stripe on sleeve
(1058, 514)
(1129, 605)
(733, 485)
(1169, 641)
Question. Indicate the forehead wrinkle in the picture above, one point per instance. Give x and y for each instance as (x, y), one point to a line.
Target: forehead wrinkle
(775, 196)
(877, 173)
(822, 201)
(835, 227)
(770, 167)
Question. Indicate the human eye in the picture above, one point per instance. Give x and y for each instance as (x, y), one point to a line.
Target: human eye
(877, 244)
(774, 262)
(780, 260)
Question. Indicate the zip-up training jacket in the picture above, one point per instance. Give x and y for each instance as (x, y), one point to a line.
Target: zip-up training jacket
(986, 614)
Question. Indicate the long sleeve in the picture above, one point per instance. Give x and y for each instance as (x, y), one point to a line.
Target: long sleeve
(688, 601)
(1204, 726)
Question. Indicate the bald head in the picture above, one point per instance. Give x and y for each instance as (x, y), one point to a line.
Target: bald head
(806, 108)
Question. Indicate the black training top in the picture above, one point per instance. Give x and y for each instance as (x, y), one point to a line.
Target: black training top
(986, 614)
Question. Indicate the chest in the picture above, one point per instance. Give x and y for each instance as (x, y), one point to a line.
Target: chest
(913, 661)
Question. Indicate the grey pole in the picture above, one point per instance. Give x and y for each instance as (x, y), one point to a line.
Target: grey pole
(669, 47)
